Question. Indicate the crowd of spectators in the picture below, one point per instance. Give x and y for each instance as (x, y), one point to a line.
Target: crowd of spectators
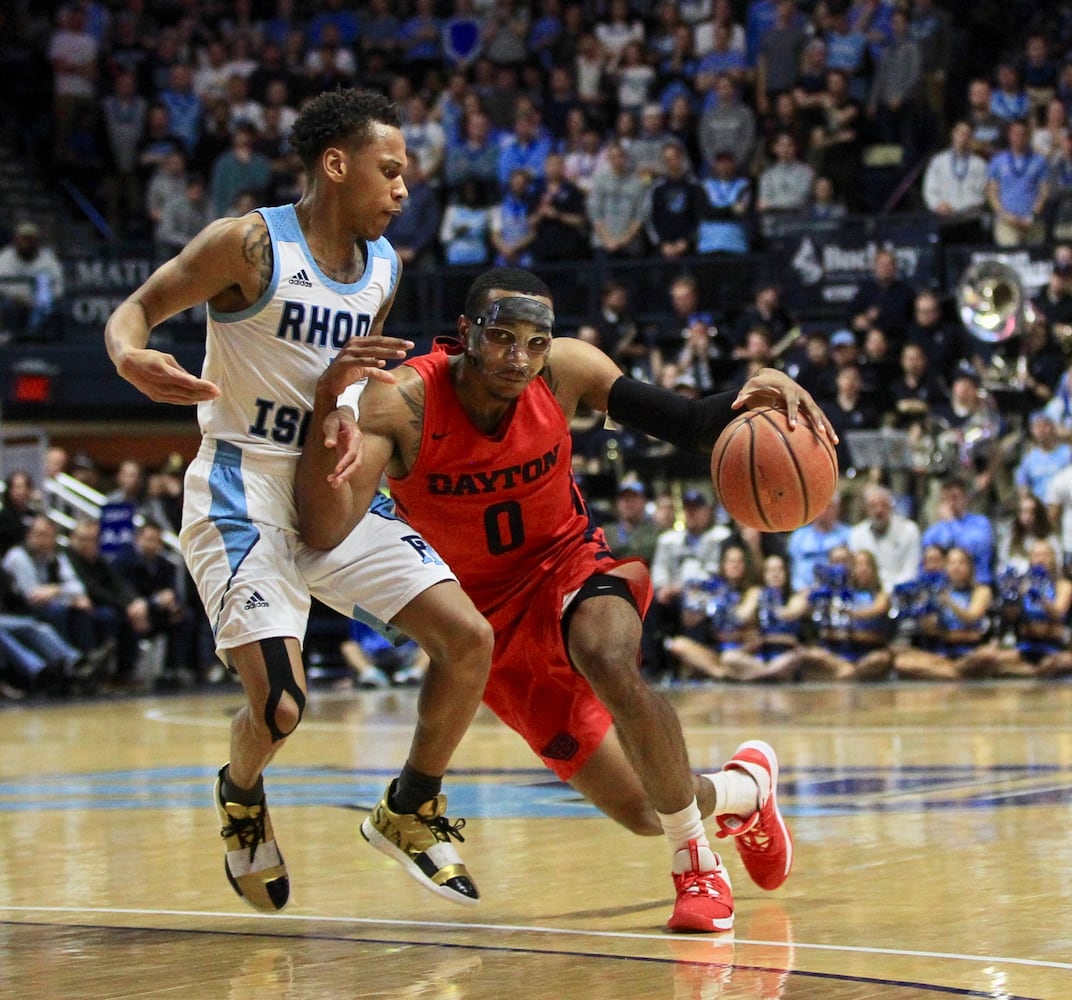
(634, 130)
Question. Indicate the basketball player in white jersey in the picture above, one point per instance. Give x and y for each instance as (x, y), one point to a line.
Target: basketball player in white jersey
(288, 289)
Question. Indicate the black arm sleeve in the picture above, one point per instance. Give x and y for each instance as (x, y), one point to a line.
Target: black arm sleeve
(690, 424)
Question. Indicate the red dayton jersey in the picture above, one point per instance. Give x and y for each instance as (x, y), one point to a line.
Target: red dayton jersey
(502, 510)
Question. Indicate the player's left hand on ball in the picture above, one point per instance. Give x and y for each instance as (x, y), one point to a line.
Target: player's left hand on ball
(770, 387)
(341, 433)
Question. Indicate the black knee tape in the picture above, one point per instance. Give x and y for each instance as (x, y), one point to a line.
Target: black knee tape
(600, 585)
(280, 681)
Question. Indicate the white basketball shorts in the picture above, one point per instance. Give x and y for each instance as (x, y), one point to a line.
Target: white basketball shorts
(254, 574)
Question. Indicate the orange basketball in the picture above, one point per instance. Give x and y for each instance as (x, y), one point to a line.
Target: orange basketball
(770, 476)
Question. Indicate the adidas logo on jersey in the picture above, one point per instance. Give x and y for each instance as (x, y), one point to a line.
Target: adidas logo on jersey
(301, 278)
(256, 601)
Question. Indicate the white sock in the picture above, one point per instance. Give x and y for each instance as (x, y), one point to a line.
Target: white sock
(683, 826)
(736, 792)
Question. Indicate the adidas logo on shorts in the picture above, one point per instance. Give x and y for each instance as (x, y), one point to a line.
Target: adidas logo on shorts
(301, 278)
(256, 601)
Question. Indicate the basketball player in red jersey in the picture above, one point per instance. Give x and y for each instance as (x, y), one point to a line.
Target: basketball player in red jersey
(475, 441)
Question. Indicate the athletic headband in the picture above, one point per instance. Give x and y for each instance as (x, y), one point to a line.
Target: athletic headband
(519, 309)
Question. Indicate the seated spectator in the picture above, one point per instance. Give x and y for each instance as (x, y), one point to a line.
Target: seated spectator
(475, 155)
(852, 617)
(154, 577)
(727, 124)
(850, 409)
(1044, 456)
(33, 655)
(826, 202)
(182, 217)
(935, 334)
(955, 628)
(1016, 536)
(1047, 138)
(47, 583)
(1008, 100)
(112, 596)
(425, 137)
(632, 532)
(892, 538)
(20, 507)
(31, 286)
(377, 663)
(954, 188)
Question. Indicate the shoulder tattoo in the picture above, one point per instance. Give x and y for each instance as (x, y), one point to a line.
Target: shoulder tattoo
(413, 396)
(257, 252)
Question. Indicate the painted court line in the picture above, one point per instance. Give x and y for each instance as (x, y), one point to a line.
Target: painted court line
(528, 929)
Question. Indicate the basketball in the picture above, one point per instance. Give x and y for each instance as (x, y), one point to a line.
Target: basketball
(770, 476)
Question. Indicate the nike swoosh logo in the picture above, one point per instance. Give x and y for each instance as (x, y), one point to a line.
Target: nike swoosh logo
(439, 437)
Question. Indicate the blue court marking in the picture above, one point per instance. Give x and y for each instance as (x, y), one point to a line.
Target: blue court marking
(534, 794)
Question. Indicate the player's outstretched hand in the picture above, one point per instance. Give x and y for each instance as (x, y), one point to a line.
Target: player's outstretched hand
(770, 387)
(364, 357)
(163, 379)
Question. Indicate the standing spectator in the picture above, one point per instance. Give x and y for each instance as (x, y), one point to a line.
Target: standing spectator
(560, 226)
(475, 156)
(1018, 190)
(184, 106)
(778, 59)
(675, 207)
(183, 217)
(511, 226)
(893, 538)
(894, 104)
(836, 141)
(19, 509)
(987, 129)
(167, 182)
(954, 187)
(931, 27)
(728, 124)
(73, 53)
(124, 113)
(1046, 137)
(1008, 100)
(785, 186)
(241, 169)
(525, 148)
(956, 526)
(31, 285)
(413, 234)
(506, 29)
(811, 545)
(420, 42)
(646, 149)
(728, 191)
(425, 137)
(884, 300)
(465, 232)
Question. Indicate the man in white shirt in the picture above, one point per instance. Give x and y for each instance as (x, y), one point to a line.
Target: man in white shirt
(892, 538)
(954, 184)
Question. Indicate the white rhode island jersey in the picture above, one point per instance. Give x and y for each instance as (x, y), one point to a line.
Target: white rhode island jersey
(266, 359)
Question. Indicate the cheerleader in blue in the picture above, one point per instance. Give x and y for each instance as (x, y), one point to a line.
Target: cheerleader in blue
(777, 615)
(956, 631)
(854, 634)
(1041, 619)
(710, 616)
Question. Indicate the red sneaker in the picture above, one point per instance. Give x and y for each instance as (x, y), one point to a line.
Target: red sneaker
(763, 840)
(704, 898)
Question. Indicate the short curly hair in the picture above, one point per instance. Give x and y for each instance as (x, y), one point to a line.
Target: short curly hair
(508, 279)
(337, 116)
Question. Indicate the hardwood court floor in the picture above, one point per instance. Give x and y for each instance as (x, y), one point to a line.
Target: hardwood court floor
(933, 829)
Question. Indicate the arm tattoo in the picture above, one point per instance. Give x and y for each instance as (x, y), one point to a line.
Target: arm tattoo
(413, 397)
(257, 252)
